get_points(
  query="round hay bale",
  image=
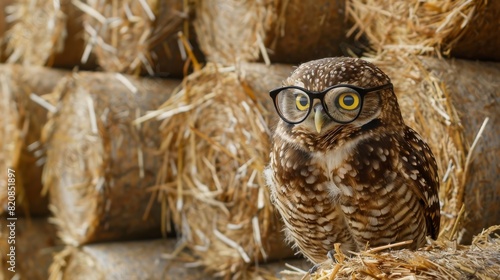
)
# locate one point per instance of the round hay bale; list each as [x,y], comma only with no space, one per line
[440,260]
[285,31]
[99,164]
[36,244]
[480,39]
[120,260]
[215,144]
[10,133]
[4,26]
[20,130]
[474,90]
[46,33]
[147,259]
[464,28]
[137,37]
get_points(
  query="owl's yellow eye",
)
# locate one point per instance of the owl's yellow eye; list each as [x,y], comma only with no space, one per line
[302,102]
[348,101]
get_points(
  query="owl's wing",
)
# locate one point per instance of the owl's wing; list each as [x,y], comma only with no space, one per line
[419,167]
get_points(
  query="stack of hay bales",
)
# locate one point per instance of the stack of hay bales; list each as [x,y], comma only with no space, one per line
[461,28]
[78,128]
[20,131]
[285,31]
[44,33]
[21,151]
[139,36]
[133,158]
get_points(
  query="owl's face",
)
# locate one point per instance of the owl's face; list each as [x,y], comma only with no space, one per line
[323,95]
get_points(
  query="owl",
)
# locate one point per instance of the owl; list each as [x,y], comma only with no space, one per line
[344,168]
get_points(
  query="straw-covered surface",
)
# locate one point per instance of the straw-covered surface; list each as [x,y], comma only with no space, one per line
[45,33]
[137,36]
[467,28]
[36,244]
[20,128]
[215,145]
[286,31]
[99,164]
[443,259]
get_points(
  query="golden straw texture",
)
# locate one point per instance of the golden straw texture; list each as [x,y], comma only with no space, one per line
[428,27]
[215,144]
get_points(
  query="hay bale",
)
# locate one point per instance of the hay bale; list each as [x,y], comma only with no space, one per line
[474,90]
[99,165]
[20,129]
[440,260]
[3,20]
[283,31]
[46,33]
[36,244]
[4,26]
[464,28]
[215,144]
[138,36]
[121,260]
[478,40]
[134,260]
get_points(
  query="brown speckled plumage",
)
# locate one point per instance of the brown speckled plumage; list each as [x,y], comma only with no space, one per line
[369,182]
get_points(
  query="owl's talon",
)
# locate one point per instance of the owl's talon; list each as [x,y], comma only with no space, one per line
[331,255]
[313,269]
[318,265]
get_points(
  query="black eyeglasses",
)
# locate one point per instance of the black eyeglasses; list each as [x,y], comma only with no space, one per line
[341,102]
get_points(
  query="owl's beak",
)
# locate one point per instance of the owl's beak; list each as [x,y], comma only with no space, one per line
[319,117]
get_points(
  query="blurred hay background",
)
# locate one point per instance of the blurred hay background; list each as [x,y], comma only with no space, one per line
[215,145]
[132,260]
[36,245]
[99,164]
[45,33]
[462,28]
[286,31]
[4,26]
[120,260]
[138,36]
[20,129]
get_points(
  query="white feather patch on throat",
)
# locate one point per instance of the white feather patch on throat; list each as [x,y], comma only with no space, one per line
[333,160]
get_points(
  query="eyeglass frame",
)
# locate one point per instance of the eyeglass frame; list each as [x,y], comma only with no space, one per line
[321,96]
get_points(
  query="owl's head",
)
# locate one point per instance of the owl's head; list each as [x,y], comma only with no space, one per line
[324,94]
